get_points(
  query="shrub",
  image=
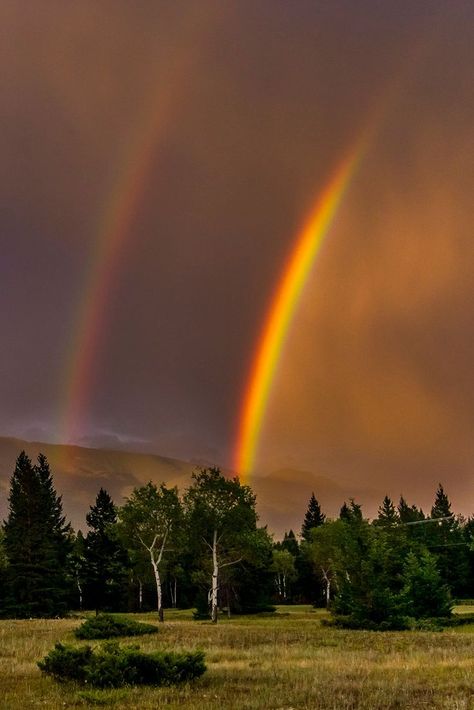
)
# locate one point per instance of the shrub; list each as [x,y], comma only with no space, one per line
[112,666]
[66,662]
[351,621]
[106,626]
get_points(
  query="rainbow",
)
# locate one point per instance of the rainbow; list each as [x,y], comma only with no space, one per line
[104,267]
[114,230]
[283,306]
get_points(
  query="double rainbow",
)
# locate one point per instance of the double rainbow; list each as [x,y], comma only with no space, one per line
[283,306]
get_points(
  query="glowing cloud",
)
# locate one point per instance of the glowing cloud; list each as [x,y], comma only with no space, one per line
[282,310]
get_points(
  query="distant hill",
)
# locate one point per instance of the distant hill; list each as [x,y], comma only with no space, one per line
[79,472]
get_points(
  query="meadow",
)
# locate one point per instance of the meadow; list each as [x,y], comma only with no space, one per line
[290,661]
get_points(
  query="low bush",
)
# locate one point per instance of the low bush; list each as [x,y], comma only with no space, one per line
[399,623]
[106,626]
[112,666]
[396,623]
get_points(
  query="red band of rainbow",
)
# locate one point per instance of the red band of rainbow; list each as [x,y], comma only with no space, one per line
[282,310]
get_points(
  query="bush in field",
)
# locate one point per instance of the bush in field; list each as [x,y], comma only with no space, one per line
[112,666]
[67,662]
[106,626]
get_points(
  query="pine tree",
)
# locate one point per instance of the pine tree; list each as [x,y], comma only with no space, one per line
[423,593]
[442,505]
[445,539]
[105,558]
[351,513]
[387,514]
[409,513]
[313,518]
[290,543]
[37,543]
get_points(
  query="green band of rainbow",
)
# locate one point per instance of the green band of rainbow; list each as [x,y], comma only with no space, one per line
[282,310]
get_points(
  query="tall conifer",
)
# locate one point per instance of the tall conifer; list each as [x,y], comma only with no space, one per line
[313,518]
[36,543]
[106,559]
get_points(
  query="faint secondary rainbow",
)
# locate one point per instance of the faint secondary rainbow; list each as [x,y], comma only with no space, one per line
[283,306]
[105,262]
[114,233]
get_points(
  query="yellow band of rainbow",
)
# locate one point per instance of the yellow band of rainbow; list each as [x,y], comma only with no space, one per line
[283,307]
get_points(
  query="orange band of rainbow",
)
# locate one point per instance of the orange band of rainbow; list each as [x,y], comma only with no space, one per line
[282,310]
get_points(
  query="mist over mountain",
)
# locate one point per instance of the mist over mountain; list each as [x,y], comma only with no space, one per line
[282,497]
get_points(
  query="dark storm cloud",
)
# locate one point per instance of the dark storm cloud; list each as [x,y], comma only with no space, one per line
[274,94]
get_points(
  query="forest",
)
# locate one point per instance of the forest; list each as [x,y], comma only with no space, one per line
[204,549]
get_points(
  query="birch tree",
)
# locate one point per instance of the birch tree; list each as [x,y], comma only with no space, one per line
[222,516]
[283,567]
[324,552]
[151,519]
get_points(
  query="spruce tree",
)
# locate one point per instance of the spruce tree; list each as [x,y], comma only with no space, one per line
[387,514]
[36,543]
[105,558]
[351,513]
[442,505]
[445,539]
[409,513]
[313,518]
[424,594]
[290,543]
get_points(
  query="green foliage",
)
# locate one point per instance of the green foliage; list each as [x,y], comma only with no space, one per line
[112,666]
[387,513]
[67,662]
[384,579]
[314,518]
[106,626]
[394,623]
[105,558]
[351,513]
[222,526]
[37,542]
[147,522]
[423,593]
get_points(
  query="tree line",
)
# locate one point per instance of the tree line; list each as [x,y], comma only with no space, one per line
[205,549]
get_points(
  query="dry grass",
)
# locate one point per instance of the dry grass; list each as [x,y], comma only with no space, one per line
[290,661]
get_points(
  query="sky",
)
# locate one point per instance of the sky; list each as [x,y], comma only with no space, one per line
[158,162]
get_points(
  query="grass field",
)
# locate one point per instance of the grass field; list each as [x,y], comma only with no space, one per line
[290,661]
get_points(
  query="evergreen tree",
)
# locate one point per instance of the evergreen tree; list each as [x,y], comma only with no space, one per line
[445,539]
[290,543]
[37,543]
[441,506]
[387,514]
[106,560]
[351,513]
[313,518]
[423,593]
[409,513]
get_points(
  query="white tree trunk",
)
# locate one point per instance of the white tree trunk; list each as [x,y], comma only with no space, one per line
[215,576]
[327,580]
[158,586]
[140,594]
[79,589]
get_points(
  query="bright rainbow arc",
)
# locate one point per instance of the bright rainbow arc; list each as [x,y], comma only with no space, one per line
[282,310]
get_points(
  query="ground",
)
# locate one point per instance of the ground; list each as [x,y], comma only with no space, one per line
[289,661]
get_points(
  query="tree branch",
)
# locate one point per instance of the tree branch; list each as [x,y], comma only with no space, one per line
[227,564]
